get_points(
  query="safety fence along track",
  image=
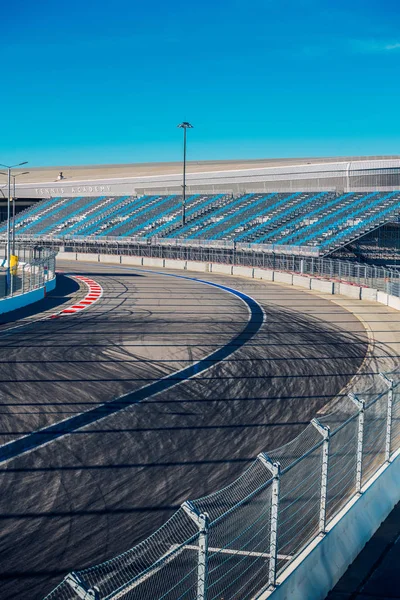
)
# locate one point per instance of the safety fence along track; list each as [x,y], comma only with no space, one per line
[34,268]
[373,276]
[235,543]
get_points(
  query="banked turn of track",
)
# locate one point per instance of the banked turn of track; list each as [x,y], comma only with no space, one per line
[203,378]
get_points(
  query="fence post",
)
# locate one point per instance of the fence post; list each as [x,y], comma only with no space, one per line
[275,469]
[360,438]
[81,588]
[324,430]
[388,443]
[202,522]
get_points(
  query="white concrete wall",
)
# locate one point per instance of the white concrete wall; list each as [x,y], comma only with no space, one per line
[220,268]
[369,294]
[174,264]
[153,262]
[265,274]
[346,289]
[382,297]
[243,271]
[321,285]
[394,302]
[283,277]
[194,265]
[302,281]
[67,255]
[89,257]
[132,260]
[110,258]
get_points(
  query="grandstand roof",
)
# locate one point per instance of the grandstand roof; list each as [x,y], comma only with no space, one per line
[115,171]
[341,174]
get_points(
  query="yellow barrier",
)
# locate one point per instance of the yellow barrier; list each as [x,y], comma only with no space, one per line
[13,264]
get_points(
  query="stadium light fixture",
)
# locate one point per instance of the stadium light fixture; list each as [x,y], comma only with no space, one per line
[185,125]
[9,167]
[13,210]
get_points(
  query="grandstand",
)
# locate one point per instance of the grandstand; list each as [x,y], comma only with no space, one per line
[319,222]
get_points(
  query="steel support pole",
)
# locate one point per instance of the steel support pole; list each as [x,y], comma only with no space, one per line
[360,439]
[275,469]
[13,217]
[81,588]
[184,179]
[325,432]
[8,229]
[389,417]
[202,522]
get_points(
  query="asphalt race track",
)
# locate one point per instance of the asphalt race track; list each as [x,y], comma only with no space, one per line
[87,496]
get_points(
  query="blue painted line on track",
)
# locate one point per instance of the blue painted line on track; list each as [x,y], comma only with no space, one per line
[70,425]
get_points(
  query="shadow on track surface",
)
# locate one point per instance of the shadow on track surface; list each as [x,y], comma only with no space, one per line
[97,492]
[65,289]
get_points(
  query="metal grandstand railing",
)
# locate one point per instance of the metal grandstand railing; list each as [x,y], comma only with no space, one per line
[236,542]
[377,277]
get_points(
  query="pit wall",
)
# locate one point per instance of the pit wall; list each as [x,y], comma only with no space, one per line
[22,300]
[323,562]
[310,283]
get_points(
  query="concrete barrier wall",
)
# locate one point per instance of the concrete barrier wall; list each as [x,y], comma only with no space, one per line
[382,297]
[51,285]
[265,274]
[394,302]
[351,291]
[110,258]
[320,285]
[243,271]
[154,262]
[302,281]
[220,268]
[174,264]
[283,277]
[83,256]
[194,265]
[22,300]
[132,260]
[369,294]
[69,255]
[315,572]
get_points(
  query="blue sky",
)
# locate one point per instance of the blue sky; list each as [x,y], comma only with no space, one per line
[107,82]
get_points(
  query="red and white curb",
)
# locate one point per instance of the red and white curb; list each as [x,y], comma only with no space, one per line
[95,293]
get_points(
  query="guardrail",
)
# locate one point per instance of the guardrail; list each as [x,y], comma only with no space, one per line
[376,277]
[171,242]
[236,542]
[35,268]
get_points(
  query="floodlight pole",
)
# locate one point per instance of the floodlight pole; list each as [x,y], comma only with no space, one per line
[13,211]
[9,167]
[185,125]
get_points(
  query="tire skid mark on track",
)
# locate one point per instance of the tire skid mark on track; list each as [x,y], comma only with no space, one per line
[42,437]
